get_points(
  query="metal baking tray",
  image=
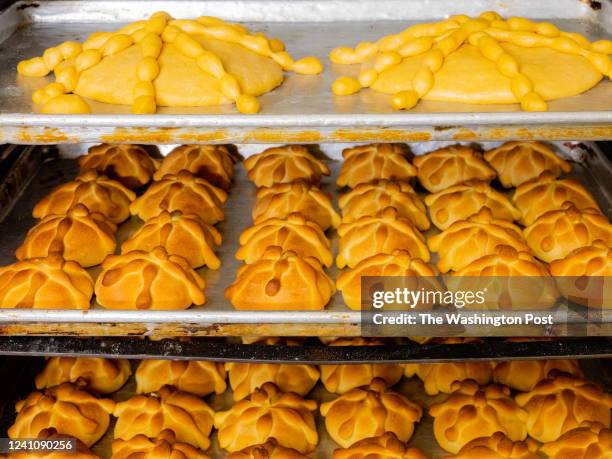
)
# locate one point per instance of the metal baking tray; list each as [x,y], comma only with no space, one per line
[35,171]
[303,108]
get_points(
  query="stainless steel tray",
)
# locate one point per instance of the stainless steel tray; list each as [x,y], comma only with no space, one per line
[303,108]
[217,317]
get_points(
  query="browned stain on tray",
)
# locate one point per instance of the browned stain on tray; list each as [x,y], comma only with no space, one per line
[380,135]
[267,135]
[139,134]
[48,135]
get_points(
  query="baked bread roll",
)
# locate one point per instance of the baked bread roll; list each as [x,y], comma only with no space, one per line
[66,408]
[523,375]
[187,416]
[183,192]
[590,441]
[45,283]
[78,235]
[405,270]
[196,377]
[280,200]
[130,165]
[96,192]
[103,376]
[81,450]
[497,446]
[370,411]
[440,377]
[245,378]
[366,163]
[281,281]
[470,412]
[368,198]
[184,235]
[460,201]
[452,165]
[382,233]
[285,165]
[522,161]
[213,163]
[340,379]
[547,193]
[562,403]
[268,413]
[295,233]
[268,450]
[467,240]
[385,446]
[557,233]
[148,280]
[164,446]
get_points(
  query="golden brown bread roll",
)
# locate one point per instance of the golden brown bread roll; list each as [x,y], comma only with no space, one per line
[467,240]
[78,235]
[365,163]
[187,416]
[280,200]
[369,198]
[520,162]
[295,233]
[386,446]
[590,441]
[96,192]
[184,235]
[268,450]
[562,403]
[81,450]
[382,233]
[281,281]
[546,193]
[148,280]
[196,377]
[183,192]
[45,283]
[268,413]
[397,263]
[66,408]
[285,165]
[440,377]
[130,165]
[213,163]
[99,375]
[448,166]
[557,233]
[470,412]
[523,375]
[164,446]
[497,446]
[370,411]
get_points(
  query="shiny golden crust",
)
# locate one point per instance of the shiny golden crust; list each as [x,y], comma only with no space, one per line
[82,451]
[285,165]
[184,235]
[369,198]
[440,377]
[448,166]
[269,413]
[281,281]
[99,375]
[78,235]
[467,240]
[66,408]
[470,412]
[148,280]
[45,283]
[592,441]
[366,163]
[96,192]
[195,377]
[523,375]
[461,201]
[164,446]
[295,233]
[385,446]
[497,446]
[245,378]
[279,201]
[522,161]
[557,233]
[213,163]
[546,193]
[397,263]
[562,403]
[130,165]
[370,411]
[187,416]
[382,233]
[268,450]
